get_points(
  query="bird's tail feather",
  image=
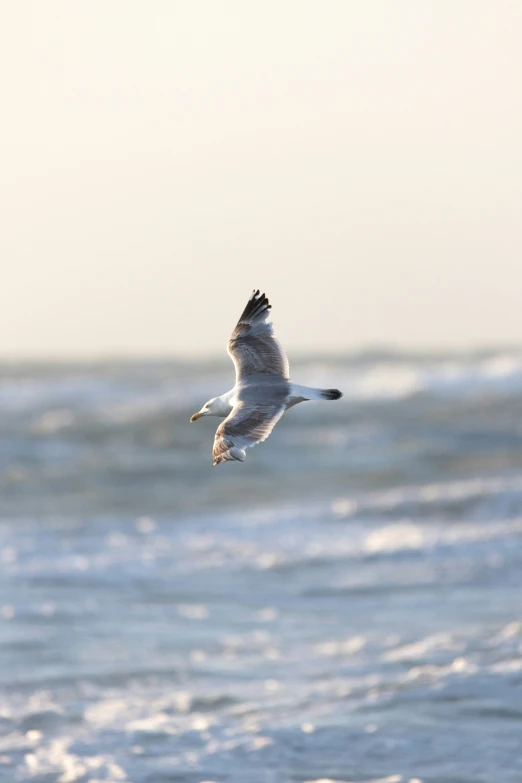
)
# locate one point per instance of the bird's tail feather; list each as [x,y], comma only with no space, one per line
[331,394]
[309,393]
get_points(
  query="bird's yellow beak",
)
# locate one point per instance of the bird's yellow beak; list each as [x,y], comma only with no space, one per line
[196,416]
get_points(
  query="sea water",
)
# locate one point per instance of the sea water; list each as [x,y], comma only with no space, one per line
[346,605]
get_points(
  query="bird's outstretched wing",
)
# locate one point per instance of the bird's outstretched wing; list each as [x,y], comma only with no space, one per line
[252,345]
[246,425]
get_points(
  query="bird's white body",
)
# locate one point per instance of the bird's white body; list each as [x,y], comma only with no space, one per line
[223,405]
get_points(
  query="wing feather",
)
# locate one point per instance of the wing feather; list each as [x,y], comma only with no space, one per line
[245,426]
[253,346]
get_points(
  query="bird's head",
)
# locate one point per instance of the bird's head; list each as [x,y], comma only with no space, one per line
[210,408]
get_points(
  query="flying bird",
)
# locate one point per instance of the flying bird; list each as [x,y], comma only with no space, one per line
[263,389]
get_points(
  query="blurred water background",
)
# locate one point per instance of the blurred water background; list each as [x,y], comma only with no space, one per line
[346,605]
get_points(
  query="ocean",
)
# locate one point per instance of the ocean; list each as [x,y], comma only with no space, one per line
[344,606]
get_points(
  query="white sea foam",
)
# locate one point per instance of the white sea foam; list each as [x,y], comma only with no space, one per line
[398,379]
[56,398]
[388,779]
[150,631]
[426,494]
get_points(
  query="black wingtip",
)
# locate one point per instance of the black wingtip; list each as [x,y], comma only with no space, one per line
[256,305]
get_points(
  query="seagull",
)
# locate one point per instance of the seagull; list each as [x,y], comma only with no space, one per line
[263,389]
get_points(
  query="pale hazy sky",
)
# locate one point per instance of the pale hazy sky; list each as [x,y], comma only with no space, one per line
[360,161]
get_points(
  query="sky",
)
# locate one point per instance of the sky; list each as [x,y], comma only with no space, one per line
[361,162]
